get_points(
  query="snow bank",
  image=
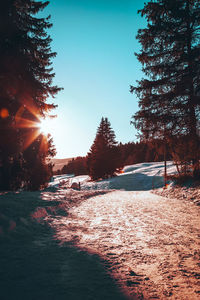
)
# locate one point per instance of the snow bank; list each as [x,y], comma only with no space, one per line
[137,177]
[178,192]
[150,168]
[66,181]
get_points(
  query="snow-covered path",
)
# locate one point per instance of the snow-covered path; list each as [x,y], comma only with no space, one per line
[151,243]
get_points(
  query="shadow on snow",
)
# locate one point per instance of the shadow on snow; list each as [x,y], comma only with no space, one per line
[129,182]
[136,182]
[35,266]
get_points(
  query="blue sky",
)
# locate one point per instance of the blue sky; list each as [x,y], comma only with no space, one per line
[95,64]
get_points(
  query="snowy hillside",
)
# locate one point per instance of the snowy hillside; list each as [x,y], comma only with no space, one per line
[59,163]
[137,177]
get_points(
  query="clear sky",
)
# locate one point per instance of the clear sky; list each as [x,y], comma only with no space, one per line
[95,64]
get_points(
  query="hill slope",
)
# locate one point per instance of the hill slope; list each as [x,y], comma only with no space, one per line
[59,163]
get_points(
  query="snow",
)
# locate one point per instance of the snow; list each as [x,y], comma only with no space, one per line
[148,244]
[66,180]
[141,233]
[138,177]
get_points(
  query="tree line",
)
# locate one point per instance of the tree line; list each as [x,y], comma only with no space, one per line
[107,157]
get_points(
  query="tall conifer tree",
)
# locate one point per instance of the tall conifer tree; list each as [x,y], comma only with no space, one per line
[169,99]
[103,157]
[25,84]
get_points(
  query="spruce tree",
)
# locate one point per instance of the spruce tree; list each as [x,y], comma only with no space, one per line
[103,157]
[169,102]
[25,84]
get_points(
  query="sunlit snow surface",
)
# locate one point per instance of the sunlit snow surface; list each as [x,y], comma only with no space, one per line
[151,243]
[138,177]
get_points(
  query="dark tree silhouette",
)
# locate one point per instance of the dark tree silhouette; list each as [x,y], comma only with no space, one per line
[133,153]
[169,104]
[77,166]
[104,157]
[25,84]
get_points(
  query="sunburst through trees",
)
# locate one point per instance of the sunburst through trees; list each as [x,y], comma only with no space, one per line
[25,84]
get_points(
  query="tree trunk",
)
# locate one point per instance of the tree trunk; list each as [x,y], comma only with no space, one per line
[165,167]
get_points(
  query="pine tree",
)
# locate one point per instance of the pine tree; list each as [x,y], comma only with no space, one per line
[169,103]
[103,157]
[76,166]
[25,84]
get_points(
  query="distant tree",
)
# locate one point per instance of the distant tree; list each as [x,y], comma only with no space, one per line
[169,102]
[104,157]
[133,153]
[25,84]
[57,172]
[77,166]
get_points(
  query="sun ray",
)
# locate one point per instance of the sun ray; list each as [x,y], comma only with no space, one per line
[26,123]
[30,138]
[44,144]
[40,126]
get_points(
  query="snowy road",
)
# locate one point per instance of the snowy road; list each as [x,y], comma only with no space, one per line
[111,240]
[151,243]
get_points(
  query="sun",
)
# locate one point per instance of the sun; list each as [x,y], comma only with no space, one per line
[45,126]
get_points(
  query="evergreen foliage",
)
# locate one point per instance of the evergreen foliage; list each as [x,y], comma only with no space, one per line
[133,153]
[169,100]
[77,166]
[103,157]
[25,84]
[125,154]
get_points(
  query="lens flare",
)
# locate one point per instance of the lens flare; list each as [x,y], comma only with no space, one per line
[4,113]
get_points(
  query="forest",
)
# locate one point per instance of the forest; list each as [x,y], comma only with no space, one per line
[126,154]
